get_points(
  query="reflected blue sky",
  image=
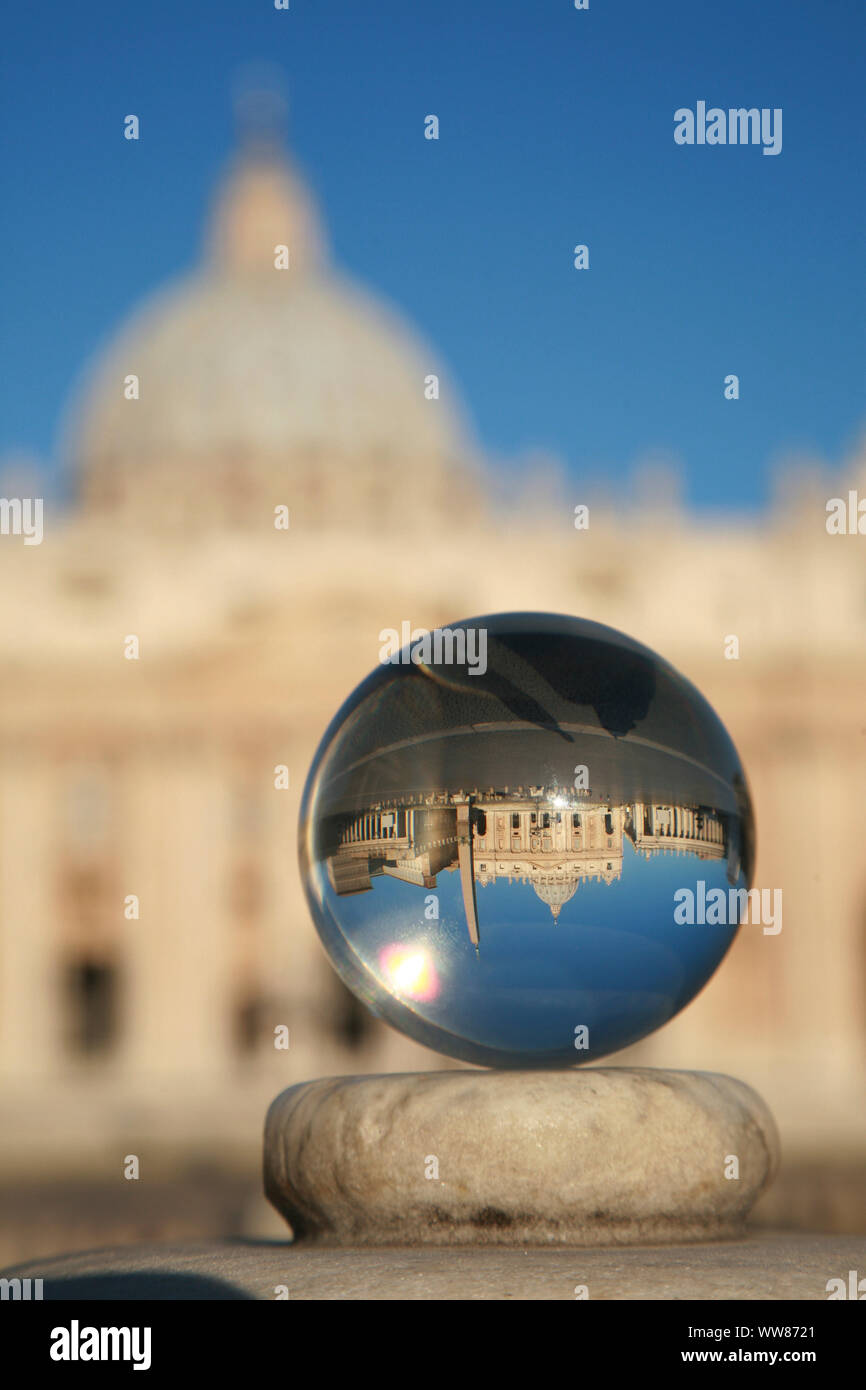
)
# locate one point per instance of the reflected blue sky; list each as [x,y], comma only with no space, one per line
[615,960]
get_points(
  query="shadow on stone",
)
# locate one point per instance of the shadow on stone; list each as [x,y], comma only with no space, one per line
[140,1285]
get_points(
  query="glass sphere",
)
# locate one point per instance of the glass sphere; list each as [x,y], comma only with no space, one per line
[525,840]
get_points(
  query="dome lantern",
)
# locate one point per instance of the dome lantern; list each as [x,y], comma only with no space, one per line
[262,205]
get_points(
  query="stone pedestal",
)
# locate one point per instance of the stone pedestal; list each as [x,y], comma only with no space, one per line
[600,1156]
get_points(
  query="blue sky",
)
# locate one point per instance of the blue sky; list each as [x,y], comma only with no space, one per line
[556,128]
[615,960]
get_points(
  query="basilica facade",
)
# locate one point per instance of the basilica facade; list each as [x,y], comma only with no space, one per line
[268,467]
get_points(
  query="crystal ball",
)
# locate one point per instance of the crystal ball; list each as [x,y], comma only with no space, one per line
[510,834]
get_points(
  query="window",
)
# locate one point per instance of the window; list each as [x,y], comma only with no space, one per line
[352,1022]
[250,1021]
[91,989]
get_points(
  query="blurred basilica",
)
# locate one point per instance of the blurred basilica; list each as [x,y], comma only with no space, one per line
[153,931]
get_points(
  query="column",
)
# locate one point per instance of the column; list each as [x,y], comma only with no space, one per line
[177,958]
[31,1014]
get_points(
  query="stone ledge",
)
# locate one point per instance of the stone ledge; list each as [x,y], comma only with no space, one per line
[761,1267]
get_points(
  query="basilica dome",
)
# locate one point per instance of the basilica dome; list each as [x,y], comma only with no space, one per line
[268,377]
[555,892]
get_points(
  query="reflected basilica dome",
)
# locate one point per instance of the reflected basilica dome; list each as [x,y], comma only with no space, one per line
[555,892]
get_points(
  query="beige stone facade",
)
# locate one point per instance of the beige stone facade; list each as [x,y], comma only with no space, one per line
[153,931]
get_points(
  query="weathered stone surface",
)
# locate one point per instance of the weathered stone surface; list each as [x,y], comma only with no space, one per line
[762,1267]
[601,1156]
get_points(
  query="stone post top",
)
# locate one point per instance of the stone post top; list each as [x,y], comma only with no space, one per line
[600,1155]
